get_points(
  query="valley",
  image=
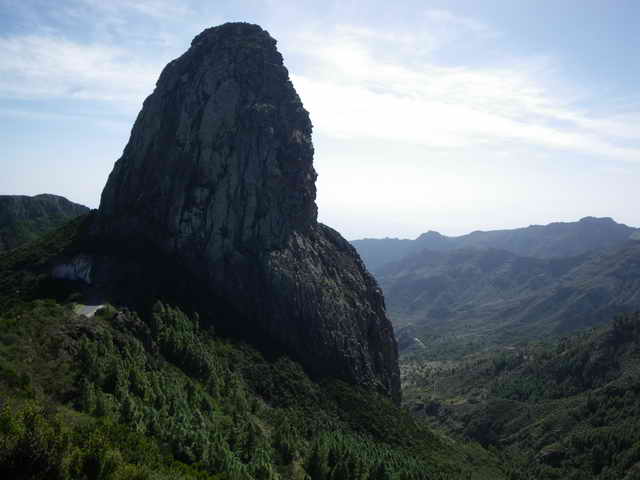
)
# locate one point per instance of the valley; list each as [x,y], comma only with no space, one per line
[535,357]
[488,294]
[562,409]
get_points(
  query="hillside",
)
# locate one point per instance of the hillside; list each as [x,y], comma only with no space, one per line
[158,393]
[555,240]
[567,409]
[493,295]
[23,219]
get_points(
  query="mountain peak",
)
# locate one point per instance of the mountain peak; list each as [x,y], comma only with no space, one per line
[431,233]
[218,175]
[232,29]
[226,108]
[598,220]
[431,236]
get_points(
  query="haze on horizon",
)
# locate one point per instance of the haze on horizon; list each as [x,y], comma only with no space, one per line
[428,115]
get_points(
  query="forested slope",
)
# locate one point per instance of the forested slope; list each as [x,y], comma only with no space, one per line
[160,393]
[568,409]
[23,218]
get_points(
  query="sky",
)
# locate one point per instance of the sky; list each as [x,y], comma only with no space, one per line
[451,116]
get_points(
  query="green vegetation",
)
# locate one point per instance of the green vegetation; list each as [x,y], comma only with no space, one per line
[24,219]
[155,395]
[158,393]
[460,295]
[119,396]
[554,411]
[24,271]
[27,231]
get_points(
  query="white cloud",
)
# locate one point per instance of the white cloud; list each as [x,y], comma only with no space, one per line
[161,9]
[428,124]
[39,67]
[446,19]
[359,84]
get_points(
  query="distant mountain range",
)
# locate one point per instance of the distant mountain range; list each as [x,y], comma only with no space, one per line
[509,285]
[559,239]
[24,218]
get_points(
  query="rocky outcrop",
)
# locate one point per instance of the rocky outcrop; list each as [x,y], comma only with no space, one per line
[24,218]
[78,268]
[218,174]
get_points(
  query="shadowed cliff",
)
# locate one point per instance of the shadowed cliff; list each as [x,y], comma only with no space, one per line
[218,176]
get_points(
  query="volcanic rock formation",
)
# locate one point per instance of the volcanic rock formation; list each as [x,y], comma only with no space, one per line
[218,174]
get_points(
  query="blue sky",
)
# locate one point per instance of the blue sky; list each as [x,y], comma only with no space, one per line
[428,115]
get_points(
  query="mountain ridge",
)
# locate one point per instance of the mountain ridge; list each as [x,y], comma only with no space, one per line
[24,218]
[556,239]
[497,294]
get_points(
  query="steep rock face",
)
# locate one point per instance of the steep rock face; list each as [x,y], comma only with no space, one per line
[218,174]
[24,218]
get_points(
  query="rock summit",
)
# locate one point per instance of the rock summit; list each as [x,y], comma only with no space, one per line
[218,174]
